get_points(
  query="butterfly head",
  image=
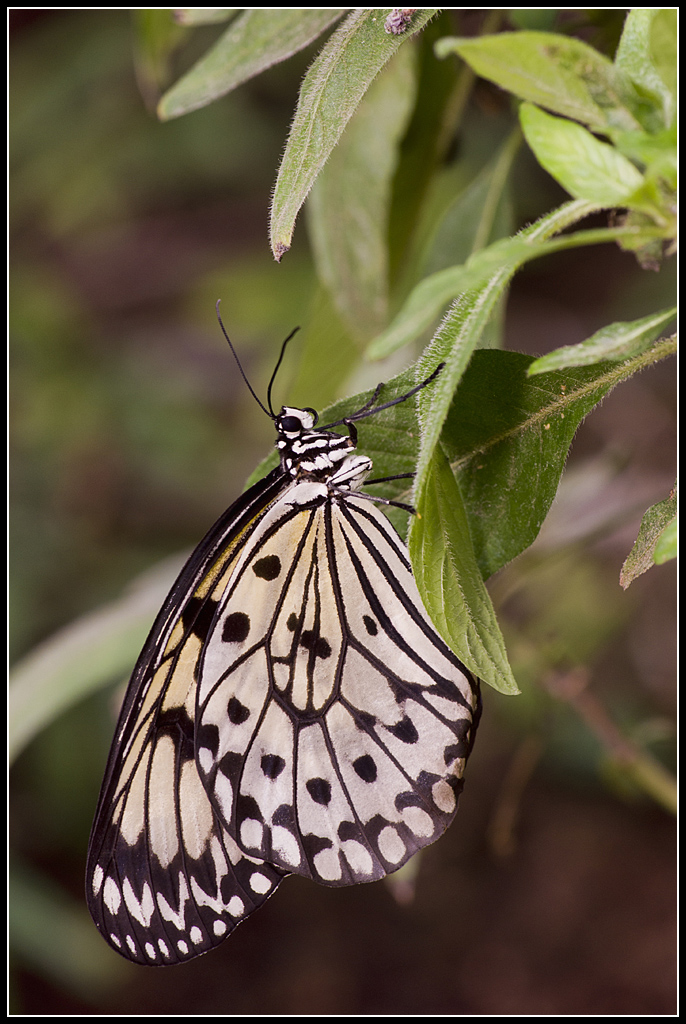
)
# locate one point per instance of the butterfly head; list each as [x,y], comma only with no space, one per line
[292,423]
[305,451]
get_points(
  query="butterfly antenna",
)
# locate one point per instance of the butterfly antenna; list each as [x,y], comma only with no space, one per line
[370,409]
[276,370]
[235,355]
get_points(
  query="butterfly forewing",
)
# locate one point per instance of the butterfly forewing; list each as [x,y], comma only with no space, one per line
[293,711]
[165,879]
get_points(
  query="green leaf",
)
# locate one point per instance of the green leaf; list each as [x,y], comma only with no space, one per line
[427,300]
[557,72]
[655,542]
[349,204]
[259,38]
[81,658]
[450,582]
[593,170]
[584,166]
[615,342]
[507,438]
[330,94]
[647,46]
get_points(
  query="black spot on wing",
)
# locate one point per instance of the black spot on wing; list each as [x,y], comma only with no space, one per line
[311,641]
[247,807]
[284,815]
[231,765]
[208,736]
[350,830]
[237,712]
[319,790]
[404,730]
[365,768]
[272,765]
[236,628]
[370,625]
[267,568]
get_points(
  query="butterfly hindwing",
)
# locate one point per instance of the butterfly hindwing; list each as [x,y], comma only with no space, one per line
[355,762]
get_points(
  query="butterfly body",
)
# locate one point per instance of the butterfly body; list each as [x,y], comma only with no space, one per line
[293,711]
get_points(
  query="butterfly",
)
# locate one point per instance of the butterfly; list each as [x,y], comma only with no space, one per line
[293,711]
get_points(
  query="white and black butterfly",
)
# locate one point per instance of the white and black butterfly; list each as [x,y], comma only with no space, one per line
[293,711]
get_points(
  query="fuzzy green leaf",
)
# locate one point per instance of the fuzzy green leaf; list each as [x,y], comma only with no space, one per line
[450,582]
[656,540]
[259,38]
[330,94]
[664,52]
[615,342]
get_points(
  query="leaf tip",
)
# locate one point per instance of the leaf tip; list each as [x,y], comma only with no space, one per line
[446,47]
[279,249]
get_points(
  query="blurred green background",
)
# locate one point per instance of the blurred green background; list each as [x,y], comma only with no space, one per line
[131,431]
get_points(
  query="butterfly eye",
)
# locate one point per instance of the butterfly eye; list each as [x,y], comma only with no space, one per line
[295,421]
[290,424]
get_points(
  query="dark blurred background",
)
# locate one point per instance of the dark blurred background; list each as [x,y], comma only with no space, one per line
[131,431]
